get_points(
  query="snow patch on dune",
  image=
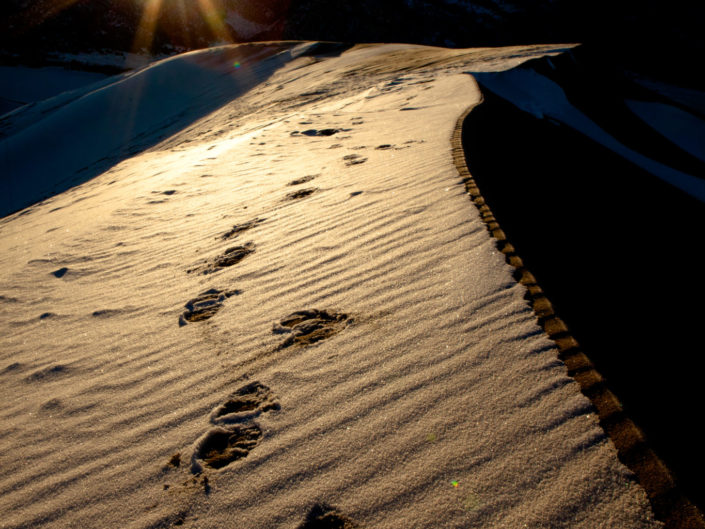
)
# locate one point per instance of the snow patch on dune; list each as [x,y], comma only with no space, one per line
[538,95]
[80,134]
[684,129]
[245,28]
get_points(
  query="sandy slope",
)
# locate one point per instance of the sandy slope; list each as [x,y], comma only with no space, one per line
[432,400]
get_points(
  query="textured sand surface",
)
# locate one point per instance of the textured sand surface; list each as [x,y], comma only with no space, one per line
[289,305]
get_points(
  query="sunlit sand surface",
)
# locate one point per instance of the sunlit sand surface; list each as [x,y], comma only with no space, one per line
[284,312]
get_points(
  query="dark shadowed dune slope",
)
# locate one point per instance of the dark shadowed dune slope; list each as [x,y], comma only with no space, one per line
[615,249]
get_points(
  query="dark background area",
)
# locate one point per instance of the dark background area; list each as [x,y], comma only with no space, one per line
[617,251]
[663,39]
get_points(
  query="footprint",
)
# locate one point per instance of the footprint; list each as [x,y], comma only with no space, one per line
[306,327]
[321,132]
[354,159]
[245,404]
[205,305]
[48,373]
[107,313]
[323,516]
[226,443]
[301,193]
[230,257]
[302,180]
[8,299]
[14,366]
[221,446]
[174,460]
[384,147]
[237,229]
[52,405]
[61,272]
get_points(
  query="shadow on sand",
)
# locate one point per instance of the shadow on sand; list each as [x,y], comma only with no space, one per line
[65,141]
[618,253]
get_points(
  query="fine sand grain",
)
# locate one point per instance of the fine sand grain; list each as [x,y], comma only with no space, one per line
[367,360]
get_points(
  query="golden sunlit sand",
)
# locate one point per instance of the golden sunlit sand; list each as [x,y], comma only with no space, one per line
[287,313]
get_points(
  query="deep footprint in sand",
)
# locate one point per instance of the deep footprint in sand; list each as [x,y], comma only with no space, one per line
[221,446]
[317,132]
[354,159]
[301,193]
[228,442]
[48,373]
[205,305]
[306,327]
[230,257]
[237,229]
[302,180]
[323,516]
[61,272]
[245,404]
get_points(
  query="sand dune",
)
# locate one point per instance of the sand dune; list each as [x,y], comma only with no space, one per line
[286,313]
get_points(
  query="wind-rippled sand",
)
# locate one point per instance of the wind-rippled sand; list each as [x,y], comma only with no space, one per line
[291,313]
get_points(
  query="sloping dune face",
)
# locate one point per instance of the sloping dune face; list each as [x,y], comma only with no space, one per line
[70,138]
[289,314]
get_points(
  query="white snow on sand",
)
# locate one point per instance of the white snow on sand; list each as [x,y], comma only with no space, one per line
[246,29]
[132,112]
[433,400]
[689,97]
[534,93]
[684,129]
[20,85]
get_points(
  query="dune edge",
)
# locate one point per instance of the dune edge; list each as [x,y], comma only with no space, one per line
[669,504]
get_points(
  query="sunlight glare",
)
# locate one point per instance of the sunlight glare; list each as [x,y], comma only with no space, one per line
[180,9]
[214,21]
[148,22]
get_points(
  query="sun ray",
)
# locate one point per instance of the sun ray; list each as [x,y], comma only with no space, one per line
[215,21]
[185,34]
[145,31]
